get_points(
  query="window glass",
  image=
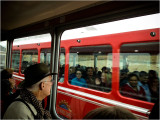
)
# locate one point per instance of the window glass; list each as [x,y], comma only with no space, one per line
[139,71]
[62,65]
[15,60]
[3,51]
[29,57]
[46,56]
[86,65]
[42,57]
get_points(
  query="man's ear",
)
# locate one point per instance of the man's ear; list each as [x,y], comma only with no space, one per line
[41,86]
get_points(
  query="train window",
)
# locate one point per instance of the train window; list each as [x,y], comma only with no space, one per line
[45,56]
[3,50]
[29,57]
[139,76]
[62,65]
[15,60]
[86,64]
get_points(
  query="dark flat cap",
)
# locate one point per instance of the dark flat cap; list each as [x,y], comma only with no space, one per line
[35,73]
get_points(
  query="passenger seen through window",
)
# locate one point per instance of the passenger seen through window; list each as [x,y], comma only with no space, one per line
[78,80]
[91,59]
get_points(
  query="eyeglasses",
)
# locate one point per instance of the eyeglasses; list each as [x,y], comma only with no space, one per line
[50,81]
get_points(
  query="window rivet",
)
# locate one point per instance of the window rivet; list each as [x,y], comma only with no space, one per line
[78,41]
[153,34]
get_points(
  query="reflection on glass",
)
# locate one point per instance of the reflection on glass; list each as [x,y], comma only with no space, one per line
[3,50]
[141,60]
[29,57]
[89,61]
[15,60]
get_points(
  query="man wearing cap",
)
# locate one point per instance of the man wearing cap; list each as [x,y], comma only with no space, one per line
[36,86]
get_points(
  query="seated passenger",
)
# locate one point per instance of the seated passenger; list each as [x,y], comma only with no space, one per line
[132,89]
[78,80]
[72,73]
[123,78]
[62,78]
[136,72]
[106,81]
[143,76]
[98,80]
[95,70]
[152,74]
[90,79]
[98,83]
[106,69]
[61,74]
[154,88]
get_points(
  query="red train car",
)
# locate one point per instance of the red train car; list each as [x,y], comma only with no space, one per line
[121,53]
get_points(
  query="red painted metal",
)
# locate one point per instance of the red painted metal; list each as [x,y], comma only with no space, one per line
[79,105]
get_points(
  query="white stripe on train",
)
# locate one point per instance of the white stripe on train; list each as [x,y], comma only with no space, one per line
[113,102]
[18,76]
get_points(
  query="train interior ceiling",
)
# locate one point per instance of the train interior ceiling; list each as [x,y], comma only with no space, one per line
[24,18]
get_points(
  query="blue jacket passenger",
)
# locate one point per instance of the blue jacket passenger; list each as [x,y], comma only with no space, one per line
[78,80]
